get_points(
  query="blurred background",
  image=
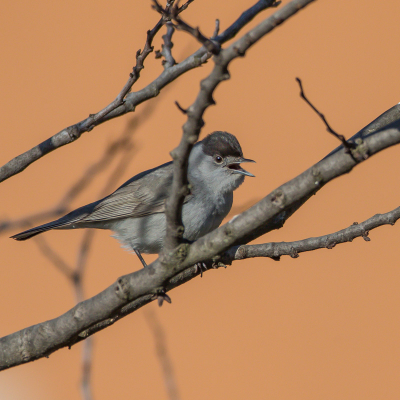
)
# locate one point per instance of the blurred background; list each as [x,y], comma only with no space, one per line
[323,326]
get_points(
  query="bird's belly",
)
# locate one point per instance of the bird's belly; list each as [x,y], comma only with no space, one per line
[145,234]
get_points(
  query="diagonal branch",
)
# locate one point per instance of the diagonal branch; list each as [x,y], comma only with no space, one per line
[131,100]
[122,145]
[73,132]
[292,249]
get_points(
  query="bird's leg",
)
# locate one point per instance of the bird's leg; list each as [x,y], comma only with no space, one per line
[161,295]
[140,257]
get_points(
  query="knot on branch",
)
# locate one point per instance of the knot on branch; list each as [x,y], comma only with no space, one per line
[180,230]
[239,52]
[241,253]
[278,199]
[175,257]
[293,253]
[360,152]
[331,245]
[317,176]
[74,132]
[365,236]
[122,289]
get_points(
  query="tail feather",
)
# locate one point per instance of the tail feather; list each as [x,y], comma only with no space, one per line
[38,229]
[63,222]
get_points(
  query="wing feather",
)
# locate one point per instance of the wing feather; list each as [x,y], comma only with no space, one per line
[143,195]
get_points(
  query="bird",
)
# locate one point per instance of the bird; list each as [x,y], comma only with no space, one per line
[135,212]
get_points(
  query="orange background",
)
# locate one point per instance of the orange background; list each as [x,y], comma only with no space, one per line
[324,326]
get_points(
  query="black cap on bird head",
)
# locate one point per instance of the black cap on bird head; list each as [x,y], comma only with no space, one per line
[222,143]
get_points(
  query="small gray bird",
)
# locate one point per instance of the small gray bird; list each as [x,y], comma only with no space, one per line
[135,212]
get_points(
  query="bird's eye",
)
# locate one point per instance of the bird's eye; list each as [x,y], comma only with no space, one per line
[218,159]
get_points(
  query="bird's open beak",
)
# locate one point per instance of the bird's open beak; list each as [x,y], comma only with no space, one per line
[235,166]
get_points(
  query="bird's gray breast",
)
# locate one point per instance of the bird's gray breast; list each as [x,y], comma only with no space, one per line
[204,213]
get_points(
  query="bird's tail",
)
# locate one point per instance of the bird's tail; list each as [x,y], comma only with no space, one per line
[35,231]
[66,222]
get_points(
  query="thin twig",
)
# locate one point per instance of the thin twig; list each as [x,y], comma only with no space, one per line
[183,7]
[87,362]
[347,145]
[166,48]
[173,14]
[216,30]
[180,108]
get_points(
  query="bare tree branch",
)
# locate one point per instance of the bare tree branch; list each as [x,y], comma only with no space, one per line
[216,30]
[132,291]
[211,46]
[292,249]
[131,100]
[87,361]
[73,132]
[183,7]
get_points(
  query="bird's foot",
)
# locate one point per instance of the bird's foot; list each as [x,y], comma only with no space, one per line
[218,264]
[206,265]
[202,267]
[162,296]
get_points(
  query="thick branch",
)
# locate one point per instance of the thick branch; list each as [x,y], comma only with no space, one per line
[129,102]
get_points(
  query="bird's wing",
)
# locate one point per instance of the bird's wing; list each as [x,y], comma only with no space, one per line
[133,199]
[144,194]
